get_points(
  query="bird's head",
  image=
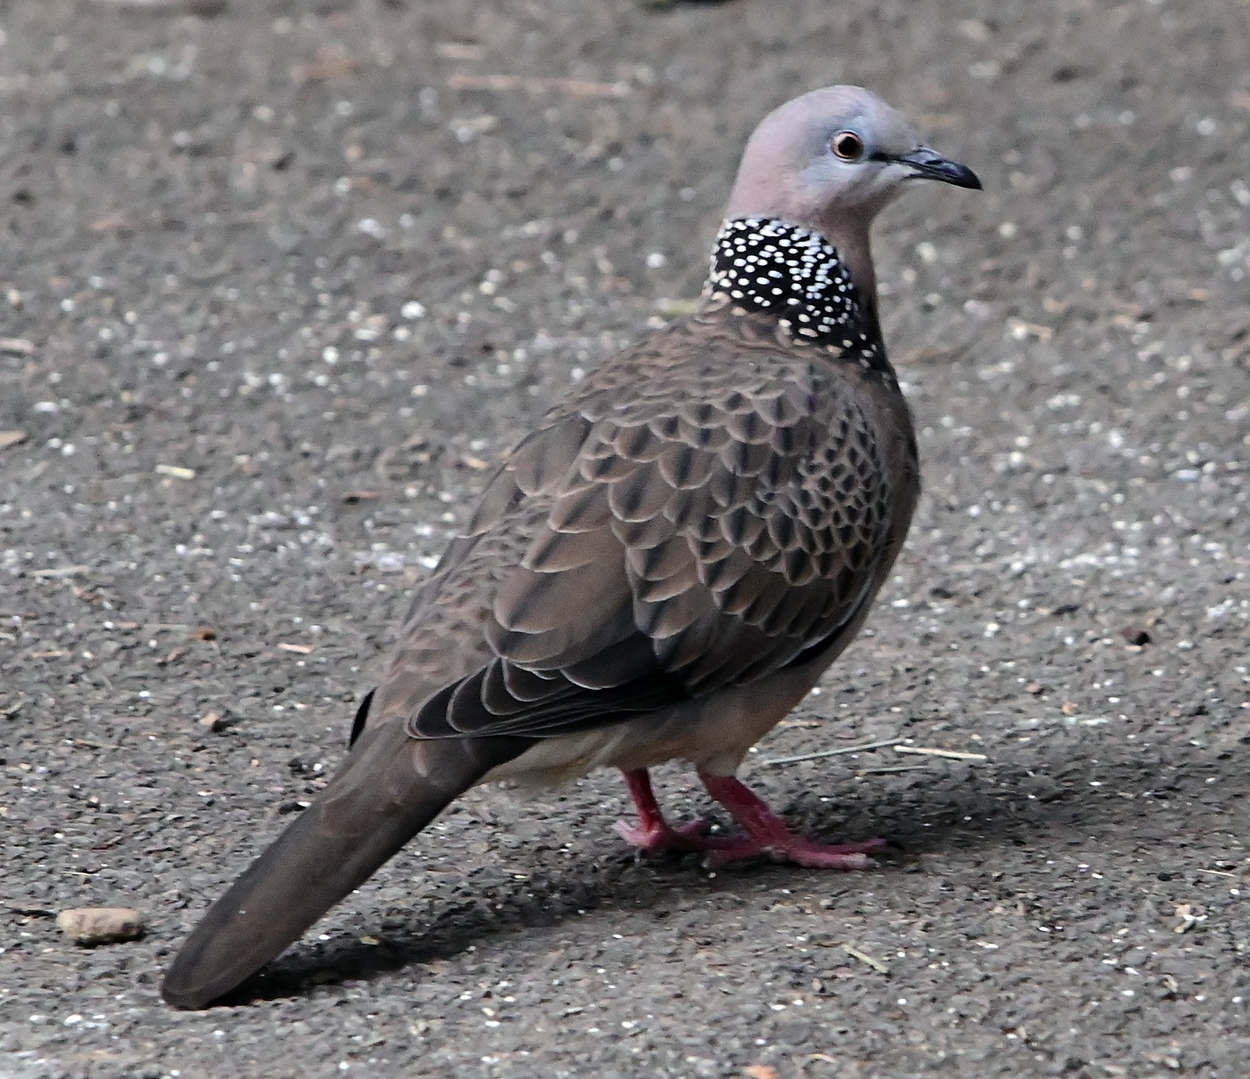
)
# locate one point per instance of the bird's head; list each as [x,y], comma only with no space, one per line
[831,160]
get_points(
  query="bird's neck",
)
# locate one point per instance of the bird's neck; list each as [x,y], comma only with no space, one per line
[852,245]
[814,289]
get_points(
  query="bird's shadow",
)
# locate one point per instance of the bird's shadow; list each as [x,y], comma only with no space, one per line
[966,808]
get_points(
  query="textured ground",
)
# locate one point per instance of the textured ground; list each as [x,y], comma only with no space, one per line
[277,285]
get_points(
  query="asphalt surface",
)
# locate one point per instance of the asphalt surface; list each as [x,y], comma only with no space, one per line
[277,284]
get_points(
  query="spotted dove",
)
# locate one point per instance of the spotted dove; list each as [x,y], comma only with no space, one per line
[663,569]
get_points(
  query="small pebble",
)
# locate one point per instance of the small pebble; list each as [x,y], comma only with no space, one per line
[214,722]
[100,925]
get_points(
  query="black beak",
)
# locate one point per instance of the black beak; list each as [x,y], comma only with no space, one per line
[928,165]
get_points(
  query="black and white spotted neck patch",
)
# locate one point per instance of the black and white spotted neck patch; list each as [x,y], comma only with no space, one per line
[768,265]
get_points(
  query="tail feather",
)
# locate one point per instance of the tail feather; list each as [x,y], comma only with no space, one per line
[390,787]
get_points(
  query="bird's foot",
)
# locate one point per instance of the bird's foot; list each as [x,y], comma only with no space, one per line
[659,837]
[767,834]
[800,851]
[653,834]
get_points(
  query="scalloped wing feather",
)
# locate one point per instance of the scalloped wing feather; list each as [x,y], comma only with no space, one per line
[696,514]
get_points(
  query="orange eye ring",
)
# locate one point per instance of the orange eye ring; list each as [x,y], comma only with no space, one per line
[847,146]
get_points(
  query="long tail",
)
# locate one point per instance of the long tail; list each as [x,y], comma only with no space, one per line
[390,787]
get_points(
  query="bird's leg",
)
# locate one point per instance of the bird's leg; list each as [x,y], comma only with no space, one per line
[768,833]
[653,834]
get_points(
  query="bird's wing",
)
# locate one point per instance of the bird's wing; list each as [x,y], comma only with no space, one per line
[671,529]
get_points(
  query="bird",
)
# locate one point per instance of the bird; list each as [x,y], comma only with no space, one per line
[662,569]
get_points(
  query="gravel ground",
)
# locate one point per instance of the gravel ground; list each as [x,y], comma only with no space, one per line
[280,282]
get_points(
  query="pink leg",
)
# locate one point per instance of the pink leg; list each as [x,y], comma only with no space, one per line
[768,833]
[653,834]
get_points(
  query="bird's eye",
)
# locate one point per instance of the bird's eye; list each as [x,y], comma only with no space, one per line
[847,145]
